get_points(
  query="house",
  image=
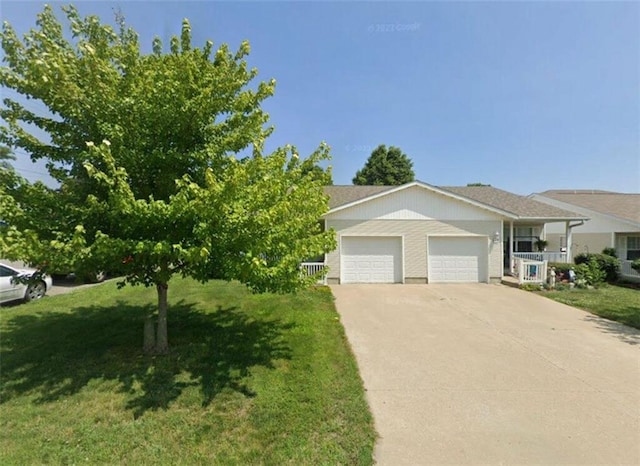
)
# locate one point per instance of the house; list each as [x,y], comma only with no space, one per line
[419,233]
[615,223]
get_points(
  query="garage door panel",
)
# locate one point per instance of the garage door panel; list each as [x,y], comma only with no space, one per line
[371,260]
[458,259]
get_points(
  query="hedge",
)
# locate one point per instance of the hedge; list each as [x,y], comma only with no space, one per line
[610,265]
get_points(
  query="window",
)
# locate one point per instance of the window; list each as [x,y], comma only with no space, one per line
[633,248]
[524,239]
[523,246]
[523,231]
[6,272]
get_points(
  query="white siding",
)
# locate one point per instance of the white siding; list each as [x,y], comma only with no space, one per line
[415,233]
[415,203]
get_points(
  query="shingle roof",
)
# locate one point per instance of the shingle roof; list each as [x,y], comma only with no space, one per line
[621,205]
[345,194]
[518,206]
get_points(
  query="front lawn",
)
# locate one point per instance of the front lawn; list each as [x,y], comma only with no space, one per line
[611,302]
[250,379]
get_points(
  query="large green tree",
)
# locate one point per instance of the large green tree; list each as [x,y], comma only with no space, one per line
[145,150]
[386,167]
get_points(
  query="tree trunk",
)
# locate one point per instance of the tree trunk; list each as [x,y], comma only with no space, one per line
[162,340]
[149,345]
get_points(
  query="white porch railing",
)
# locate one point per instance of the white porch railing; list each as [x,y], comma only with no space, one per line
[626,271]
[530,271]
[551,256]
[312,268]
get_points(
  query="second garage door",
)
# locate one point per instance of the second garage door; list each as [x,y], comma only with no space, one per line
[367,259]
[458,259]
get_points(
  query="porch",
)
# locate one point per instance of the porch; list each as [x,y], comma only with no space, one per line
[627,273]
[314,268]
[526,242]
[548,256]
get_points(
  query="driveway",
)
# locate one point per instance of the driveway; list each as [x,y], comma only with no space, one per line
[67,285]
[487,374]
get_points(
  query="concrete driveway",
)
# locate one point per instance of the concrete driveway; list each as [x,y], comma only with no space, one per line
[486,374]
[67,285]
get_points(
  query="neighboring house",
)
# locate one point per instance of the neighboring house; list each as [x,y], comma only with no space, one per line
[419,233]
[615,223]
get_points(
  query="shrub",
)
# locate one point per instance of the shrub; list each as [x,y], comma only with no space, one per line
[608,264]
[541,244]
[562,270]
[610,252]
[589,273]
[635,265]
[531,286]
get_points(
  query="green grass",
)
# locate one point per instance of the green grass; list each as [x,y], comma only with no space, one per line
[250,379]
[611,302]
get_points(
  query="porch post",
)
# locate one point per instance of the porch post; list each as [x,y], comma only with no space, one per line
[511,261]
[568,231]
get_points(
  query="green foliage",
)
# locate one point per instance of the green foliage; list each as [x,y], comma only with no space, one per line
[590,273]
[5,157]
[387,167]
[253,221]
[561,267]
[635,265]
[610,252]
[317,172]
[144,148]
[541,244]
[531,286]
[608,264]
[164,114]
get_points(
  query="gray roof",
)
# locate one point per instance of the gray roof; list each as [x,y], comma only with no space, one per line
[518,206]
[622,205]
[515,204]
[346,194]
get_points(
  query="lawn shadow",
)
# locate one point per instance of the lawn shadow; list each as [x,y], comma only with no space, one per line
[56,354]
[623,332]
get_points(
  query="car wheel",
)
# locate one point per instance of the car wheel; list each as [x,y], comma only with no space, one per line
[35,291]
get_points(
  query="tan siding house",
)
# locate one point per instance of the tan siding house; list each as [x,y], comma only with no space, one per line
[418,233]
[614,223]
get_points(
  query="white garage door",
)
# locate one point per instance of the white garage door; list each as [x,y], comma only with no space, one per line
[368,259]
[458,259]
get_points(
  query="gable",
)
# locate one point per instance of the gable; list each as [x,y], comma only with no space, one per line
[621,206]
[413,203]
[598,222]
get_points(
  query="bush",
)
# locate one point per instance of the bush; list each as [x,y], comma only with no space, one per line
[635,265]
[541,244]
[562,270]
[608,264]
[589,274]
[610,252]
[531,286]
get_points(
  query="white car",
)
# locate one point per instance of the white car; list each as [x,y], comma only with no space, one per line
[12,289]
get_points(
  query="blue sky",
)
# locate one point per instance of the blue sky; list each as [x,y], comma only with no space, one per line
[525,96]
